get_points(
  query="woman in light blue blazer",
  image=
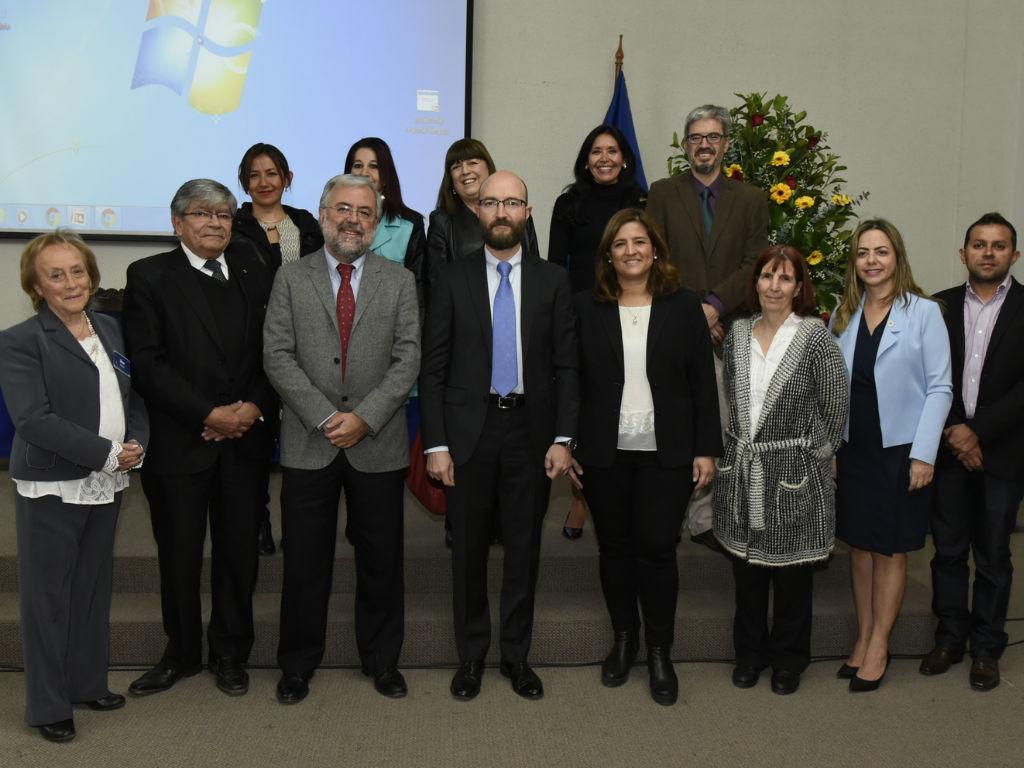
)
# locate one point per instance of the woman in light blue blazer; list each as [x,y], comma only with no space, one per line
[896,348]
[400,236]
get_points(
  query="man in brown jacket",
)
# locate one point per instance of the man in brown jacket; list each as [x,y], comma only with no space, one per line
[716,228]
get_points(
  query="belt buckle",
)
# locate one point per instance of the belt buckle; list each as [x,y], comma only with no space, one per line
[506,402]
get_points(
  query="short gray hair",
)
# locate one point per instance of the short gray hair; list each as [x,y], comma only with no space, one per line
[207,191]
[709,112]
[351,180]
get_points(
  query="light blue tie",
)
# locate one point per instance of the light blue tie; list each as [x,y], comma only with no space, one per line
[504,373]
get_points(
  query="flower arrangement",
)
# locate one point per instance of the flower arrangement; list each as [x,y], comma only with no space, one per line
[772,147]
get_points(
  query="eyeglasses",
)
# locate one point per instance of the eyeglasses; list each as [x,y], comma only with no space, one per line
[697,138]
[510,203]
[345,210]
[222,217]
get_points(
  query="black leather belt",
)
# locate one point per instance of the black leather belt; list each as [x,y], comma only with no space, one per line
[508,401]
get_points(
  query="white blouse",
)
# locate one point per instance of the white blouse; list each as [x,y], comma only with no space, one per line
[97,487]
[763,365]
[636,412]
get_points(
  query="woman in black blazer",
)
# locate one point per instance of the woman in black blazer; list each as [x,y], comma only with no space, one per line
[648,430]
[278,234]
[79,428]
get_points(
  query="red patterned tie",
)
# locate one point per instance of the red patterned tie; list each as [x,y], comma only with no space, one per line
[346,311]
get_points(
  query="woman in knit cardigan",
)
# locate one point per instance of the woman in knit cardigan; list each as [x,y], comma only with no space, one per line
[774,499]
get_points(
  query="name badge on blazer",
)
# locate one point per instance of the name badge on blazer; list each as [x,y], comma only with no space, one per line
[122,364]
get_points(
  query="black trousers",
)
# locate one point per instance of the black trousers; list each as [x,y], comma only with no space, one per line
[638,508]
[973,512]
[65,567]
[229,494]
[507,474]
[788,644]
[309,518]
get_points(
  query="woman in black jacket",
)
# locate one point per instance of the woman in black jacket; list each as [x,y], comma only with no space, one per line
[278,234]
[604,183]
[648,429]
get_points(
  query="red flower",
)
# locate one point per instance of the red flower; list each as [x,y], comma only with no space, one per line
[791,181]
[825,316]
[757,119]
[813,141]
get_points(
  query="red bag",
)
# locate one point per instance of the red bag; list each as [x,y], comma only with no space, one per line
[427,491]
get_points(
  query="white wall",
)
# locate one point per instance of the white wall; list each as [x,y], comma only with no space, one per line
[923,100]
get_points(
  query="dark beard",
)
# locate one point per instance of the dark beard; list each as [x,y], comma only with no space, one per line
[504,239]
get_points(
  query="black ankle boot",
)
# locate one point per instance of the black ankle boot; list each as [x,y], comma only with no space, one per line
[664,685]
[615,670]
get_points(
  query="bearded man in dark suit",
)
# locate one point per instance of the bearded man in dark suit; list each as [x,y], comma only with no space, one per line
[498,399]
[979,475]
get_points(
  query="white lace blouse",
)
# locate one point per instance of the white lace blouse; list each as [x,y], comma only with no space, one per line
[636,412]
[98,487]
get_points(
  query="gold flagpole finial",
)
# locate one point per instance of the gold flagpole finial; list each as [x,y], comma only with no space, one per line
[618,59]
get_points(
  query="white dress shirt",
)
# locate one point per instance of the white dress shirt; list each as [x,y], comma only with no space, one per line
[636,410]
[198,261]
[764,364]
[332,270]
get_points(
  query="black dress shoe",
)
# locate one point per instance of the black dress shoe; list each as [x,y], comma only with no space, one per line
[620,659]
[525,682]
[60,731]
[745,676]
[708,540]
[984,674]
[940,659]
[106,703]
[388,682]
[292,688]
[265,540]
[466,682]
[845,672]
[447,538]
[664,684]
[160,678]
[231,678]
[785,681]
[572,533]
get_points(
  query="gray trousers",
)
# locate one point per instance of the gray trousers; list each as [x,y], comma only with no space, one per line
[699,512]
[65,568]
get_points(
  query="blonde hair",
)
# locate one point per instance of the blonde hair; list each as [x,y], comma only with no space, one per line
[36,245]
[903,284]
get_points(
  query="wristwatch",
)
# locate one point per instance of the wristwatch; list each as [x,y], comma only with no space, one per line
[570,444]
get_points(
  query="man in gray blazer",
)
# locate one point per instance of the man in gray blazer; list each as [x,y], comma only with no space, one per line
[341,347]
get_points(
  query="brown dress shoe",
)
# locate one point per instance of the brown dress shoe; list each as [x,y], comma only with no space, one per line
[984,674]
[940,659]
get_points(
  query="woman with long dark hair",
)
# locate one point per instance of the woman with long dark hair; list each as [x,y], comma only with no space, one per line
[604,183]
[399,236]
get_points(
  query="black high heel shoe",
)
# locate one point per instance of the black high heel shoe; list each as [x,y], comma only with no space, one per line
[846,672]
[860,685]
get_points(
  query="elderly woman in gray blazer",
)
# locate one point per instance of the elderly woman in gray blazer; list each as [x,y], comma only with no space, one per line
[79,428]
[774,499]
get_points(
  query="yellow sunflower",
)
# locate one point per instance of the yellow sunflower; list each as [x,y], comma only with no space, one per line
[780,158]
[780,193]
[804,202]
[815,257]
[838,199]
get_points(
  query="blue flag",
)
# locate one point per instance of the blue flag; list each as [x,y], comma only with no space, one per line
[621,117]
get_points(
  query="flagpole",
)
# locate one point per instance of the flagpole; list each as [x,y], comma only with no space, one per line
[618,61]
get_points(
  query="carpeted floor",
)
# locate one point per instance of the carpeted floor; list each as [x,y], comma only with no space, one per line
[910,721]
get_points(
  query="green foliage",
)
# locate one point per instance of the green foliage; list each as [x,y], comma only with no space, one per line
[761,129]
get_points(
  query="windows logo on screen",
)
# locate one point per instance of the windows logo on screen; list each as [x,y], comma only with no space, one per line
[200,48]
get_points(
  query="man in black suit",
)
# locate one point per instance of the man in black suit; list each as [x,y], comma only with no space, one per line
[193,324]
[498,399]
[979,475]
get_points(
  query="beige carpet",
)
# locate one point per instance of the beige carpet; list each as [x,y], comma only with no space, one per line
[910,721]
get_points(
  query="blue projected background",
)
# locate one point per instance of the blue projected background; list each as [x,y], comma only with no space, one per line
[110,106]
